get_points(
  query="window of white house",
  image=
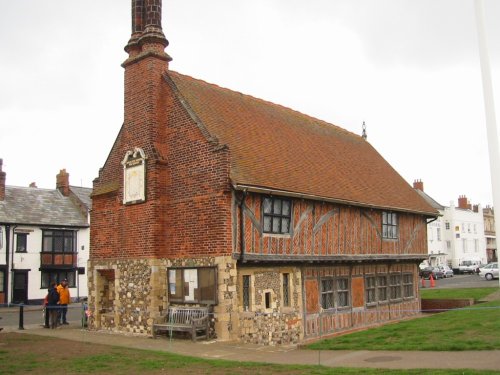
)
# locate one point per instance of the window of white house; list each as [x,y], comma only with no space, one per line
[58,276]
[438,232]
[448,245]
[476,245]
[464,245]
[389,225]
[447,225]
[2,277]
[475,228]
[59,241]
[1,238]
[192,285]
[21,242]
[277,215]
[395,285]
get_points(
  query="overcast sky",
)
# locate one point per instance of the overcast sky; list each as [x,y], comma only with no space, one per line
[409,68]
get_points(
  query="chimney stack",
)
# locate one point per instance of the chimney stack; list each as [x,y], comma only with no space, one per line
[3,176]
[62,182]
[463,202]
[418,184]
[33,185]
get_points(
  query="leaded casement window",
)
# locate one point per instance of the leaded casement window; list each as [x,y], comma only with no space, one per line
[246,292]
[407,285]
[277,215]
[334,293]
[395,285]
[343,292]
[286,289]
[21,242]
[382,288]
[370,289]
[327,294]
[58,276]
[389,225]
[193,285]
[59,241]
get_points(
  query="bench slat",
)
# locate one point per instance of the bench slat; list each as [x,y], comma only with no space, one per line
[184,319]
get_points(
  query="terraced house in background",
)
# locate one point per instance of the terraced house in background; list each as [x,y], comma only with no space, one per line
[44,237]
[287,226]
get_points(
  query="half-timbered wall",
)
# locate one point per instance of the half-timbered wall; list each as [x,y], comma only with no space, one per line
[320,229]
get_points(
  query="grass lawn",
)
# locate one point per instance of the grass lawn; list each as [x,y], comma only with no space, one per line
[24,353]
[475,293]
[475,328]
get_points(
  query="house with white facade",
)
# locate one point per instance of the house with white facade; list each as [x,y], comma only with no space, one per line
[458,235]
[44,237]
[490,234]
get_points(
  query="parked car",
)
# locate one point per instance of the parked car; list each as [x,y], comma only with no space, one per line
[490,271]
[434,271]
[447,271]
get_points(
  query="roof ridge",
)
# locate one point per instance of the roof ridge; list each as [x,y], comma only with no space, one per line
[267,102]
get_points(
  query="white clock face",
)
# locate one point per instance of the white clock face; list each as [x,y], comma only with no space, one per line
[134,184]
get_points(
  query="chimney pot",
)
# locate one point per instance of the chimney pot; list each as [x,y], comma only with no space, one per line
[418,184]
[62,182]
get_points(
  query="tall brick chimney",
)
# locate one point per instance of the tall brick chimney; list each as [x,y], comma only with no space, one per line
[144,69]
[463,202]
[3,177]
[62,182]
[418,184]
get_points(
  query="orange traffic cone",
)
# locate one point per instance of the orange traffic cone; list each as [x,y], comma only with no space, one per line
[423,282]
[433,283]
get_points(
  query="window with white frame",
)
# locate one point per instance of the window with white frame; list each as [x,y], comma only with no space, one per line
[192,285]
[277,215]
[389,225]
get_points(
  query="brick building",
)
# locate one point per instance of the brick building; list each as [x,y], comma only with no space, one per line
[289,227]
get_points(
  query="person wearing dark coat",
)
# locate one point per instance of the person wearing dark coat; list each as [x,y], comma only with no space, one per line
[52,304]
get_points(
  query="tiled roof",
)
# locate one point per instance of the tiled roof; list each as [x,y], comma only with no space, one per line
[83,195]
[430,200]
[39,207]
[276,148]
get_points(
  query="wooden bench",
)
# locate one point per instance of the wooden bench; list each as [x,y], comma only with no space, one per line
[184,319]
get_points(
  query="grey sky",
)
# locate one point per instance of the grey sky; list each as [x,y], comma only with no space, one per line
[409,68]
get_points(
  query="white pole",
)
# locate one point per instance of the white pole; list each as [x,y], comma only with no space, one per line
[489,108]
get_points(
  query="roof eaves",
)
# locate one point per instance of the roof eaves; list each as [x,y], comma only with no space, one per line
[270,191]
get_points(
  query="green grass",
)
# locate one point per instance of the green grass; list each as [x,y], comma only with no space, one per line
[476,328]
[475,293]
[89,358]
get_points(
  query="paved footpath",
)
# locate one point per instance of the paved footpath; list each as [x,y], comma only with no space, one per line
[487,360]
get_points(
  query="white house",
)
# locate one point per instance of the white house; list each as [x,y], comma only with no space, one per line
[44,237]
[458,235]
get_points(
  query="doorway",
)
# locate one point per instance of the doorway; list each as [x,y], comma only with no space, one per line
[20,287]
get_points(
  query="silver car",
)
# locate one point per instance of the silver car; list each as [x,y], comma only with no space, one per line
[490,271]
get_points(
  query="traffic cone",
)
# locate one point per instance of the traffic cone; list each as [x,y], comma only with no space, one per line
[423,282]
[433,283]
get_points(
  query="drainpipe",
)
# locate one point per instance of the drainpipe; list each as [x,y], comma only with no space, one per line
[242,229]
[12,265]
[7,269]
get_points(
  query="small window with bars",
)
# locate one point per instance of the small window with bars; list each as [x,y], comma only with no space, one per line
[286,289]
[246,292]
[395,286]
[389,225]
[407,285]
[370,289]
[277,215]
[382,288]
[327,294]
[342,292]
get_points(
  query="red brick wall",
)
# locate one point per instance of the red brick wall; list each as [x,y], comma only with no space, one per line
[187,208]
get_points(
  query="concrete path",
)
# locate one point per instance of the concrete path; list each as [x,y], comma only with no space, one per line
[487,360]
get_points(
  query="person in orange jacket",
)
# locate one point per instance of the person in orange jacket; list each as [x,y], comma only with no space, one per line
[64,300]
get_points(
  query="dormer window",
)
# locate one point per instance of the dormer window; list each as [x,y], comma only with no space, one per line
[277,215]
[389,225]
